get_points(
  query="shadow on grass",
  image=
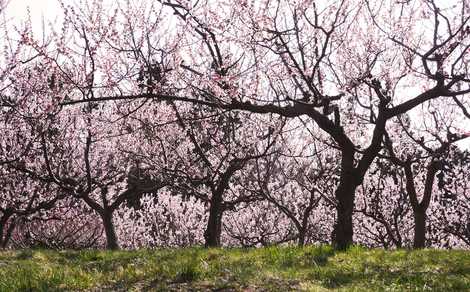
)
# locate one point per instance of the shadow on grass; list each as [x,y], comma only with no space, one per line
[278,268]
[319,256]
[396,270]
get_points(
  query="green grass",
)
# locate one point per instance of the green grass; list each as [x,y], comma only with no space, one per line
[312,268]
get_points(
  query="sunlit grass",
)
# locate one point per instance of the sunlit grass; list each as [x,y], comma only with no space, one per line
[312,268]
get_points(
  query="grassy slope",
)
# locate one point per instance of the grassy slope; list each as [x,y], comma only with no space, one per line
[266,269]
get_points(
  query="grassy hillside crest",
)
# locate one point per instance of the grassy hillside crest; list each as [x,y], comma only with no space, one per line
[311,268]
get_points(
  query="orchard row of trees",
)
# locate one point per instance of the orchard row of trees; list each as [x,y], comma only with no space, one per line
[248,123]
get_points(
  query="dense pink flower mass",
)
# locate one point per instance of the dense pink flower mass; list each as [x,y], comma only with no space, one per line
[237,123]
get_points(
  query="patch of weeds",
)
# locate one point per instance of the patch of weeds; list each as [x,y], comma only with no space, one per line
[289,258]
[24,254]
[318,257]
[280,284]
[337,279]
[213,255]
[187,274]
[281,257]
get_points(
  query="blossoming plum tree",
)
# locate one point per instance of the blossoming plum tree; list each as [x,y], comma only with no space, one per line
[188,97]
[331,62]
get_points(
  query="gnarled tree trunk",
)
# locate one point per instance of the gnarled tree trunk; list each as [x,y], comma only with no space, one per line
[343,229]
[420,208]
[5,234]
[345,194]
[214,224]
[111,238]
[419,240]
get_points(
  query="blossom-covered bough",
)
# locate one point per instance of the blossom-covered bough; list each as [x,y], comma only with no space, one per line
[331,63]
[224,105]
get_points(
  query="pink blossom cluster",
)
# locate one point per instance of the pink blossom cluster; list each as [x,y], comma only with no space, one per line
[237,123]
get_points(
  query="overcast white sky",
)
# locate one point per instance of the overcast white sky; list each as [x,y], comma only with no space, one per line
[17,10]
